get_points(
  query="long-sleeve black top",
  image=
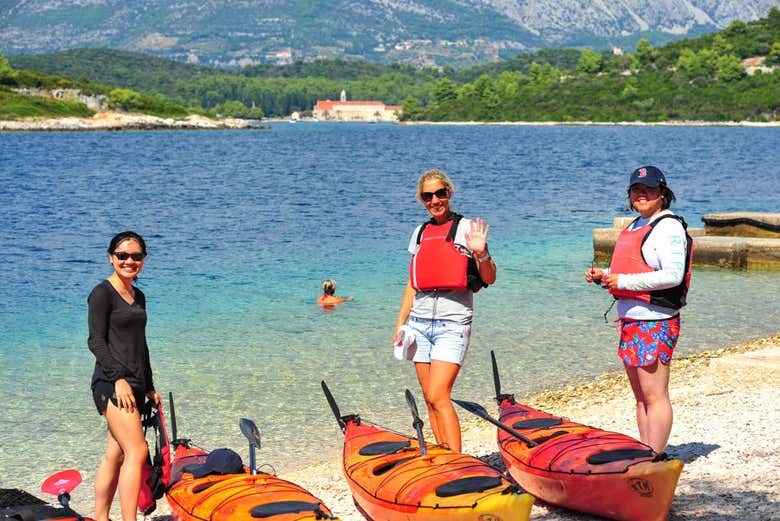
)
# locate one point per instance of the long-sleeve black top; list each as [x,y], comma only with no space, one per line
[117,337]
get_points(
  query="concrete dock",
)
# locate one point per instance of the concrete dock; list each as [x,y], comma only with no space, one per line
[738,240]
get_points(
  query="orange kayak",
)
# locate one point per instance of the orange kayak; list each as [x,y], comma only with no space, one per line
[236,497]
[391,479]
[584,468]
[205,488]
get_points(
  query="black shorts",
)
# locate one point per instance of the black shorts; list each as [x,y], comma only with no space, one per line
[103,391]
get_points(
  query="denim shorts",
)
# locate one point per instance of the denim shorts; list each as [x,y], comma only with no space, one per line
[443,340]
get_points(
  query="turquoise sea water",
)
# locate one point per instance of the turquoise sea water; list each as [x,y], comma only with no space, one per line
[243,226]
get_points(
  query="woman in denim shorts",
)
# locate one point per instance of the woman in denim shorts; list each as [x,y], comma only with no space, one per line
[441,316]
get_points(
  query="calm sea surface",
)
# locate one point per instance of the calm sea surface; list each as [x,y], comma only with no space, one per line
[243,226]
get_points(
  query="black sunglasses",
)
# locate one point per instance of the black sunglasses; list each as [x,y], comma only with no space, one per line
[123,255]
[441,193]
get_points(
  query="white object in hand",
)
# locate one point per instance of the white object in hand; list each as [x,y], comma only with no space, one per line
[405,344]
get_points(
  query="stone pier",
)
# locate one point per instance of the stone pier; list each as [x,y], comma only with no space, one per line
[738,240]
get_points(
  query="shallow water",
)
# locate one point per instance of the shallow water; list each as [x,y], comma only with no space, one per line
[243,226]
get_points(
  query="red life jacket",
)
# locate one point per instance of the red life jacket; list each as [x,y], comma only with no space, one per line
[437,263]
[628,258]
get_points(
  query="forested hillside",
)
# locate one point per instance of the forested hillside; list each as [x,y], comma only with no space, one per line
[16,100]
[699,79]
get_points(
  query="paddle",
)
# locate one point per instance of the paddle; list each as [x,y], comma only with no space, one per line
[496,379]
[173,416]
[417,423]
[61,484]
[333,406]
[252,433]
[478,410]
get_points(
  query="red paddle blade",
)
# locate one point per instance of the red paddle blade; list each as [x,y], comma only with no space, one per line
[63,481]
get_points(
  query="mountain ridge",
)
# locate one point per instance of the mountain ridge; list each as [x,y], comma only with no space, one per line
[417,32]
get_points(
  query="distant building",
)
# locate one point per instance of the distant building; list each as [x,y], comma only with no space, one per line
[282,57]
[93,102]
[343,110]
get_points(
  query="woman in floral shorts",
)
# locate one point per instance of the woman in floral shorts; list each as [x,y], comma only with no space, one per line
[649,276]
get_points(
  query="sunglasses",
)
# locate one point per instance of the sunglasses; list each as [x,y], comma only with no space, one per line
[441,193]
[123,255]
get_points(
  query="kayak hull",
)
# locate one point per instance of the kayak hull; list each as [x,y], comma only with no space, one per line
[236,497]
[390,480]
[586,469]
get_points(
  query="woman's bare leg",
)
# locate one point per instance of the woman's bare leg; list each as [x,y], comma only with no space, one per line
[437,380]
[106,478]
[125,427]
[650,385]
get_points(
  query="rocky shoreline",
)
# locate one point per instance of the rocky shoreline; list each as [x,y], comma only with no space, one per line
[725,431]
[126,121]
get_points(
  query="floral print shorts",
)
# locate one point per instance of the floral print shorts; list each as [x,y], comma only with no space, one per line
[643,342]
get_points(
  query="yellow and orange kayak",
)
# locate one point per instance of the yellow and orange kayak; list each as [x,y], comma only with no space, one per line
[584,468]
[392,479]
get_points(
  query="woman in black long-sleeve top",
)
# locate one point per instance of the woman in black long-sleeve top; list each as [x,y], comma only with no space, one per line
[122,379]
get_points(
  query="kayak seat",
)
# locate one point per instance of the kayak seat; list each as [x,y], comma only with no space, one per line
[555,434]
[203,486]
[537,423]
[468,485]
[383,447]
[608,456]
[388,466]
[285,507]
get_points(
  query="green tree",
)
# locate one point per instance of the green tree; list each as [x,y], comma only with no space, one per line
[411,107]
[5,68]
[698,65]
[630,91]
[729,68]
[773,58]
[721,46]
[590,62]
[444,90]
[124,99]
[645,53]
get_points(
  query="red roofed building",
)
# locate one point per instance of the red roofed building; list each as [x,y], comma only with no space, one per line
[344,110]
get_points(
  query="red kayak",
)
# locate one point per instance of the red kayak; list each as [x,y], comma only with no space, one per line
[580,467]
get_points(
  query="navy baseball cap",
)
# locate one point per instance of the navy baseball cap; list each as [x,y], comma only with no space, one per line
[219,461]
[647,175]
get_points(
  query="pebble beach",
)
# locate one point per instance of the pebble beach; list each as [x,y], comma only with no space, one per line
[726,411]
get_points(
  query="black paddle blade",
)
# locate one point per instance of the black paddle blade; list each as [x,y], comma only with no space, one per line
[496,380]
[413,406]
[417,423]
[473,408]
[250,431]
[478,410]
[173,416]
[333,406]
